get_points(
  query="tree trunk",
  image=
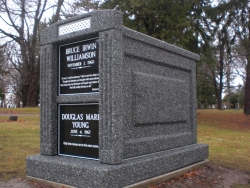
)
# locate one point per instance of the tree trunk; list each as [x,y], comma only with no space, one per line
[247,86]
[247,90]
[221,64]
[56,16]
[30,91]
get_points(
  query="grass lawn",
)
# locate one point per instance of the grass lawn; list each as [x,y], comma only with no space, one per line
[33,110]
[228,135]
[17,141]
[226,132]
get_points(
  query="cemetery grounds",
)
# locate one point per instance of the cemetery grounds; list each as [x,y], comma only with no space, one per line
[227,133]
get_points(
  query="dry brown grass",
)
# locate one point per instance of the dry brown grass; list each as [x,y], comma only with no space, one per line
[228,135]
[17,141]
[33,110]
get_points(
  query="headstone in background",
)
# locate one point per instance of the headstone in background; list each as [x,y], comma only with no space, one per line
[237,106]
[13,118]
[202,106]
[117,106]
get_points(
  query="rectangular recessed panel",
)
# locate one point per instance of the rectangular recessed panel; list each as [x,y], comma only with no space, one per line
[74,26]
[159,100]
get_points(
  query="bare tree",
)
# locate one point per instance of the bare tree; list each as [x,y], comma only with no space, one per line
[243,27]
[240,62]
[21,21]
[4,73]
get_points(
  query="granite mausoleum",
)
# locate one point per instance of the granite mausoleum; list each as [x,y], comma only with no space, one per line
[117,106]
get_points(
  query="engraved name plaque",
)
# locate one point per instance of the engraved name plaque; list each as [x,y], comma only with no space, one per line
[78,130]
[78,68]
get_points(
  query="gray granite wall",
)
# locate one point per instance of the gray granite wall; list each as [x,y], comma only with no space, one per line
[160,99]
[48,92]
[111,106]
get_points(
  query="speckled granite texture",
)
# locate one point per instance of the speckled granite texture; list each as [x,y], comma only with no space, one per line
[147,107]
[92,174]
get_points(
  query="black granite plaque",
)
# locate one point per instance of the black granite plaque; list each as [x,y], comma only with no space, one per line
[78,130]
[78,68]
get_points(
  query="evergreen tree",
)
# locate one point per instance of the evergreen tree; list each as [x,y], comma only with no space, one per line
[244,33]
[240,13]
[174,21]
[207,86]
[222,26]
[85,5]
